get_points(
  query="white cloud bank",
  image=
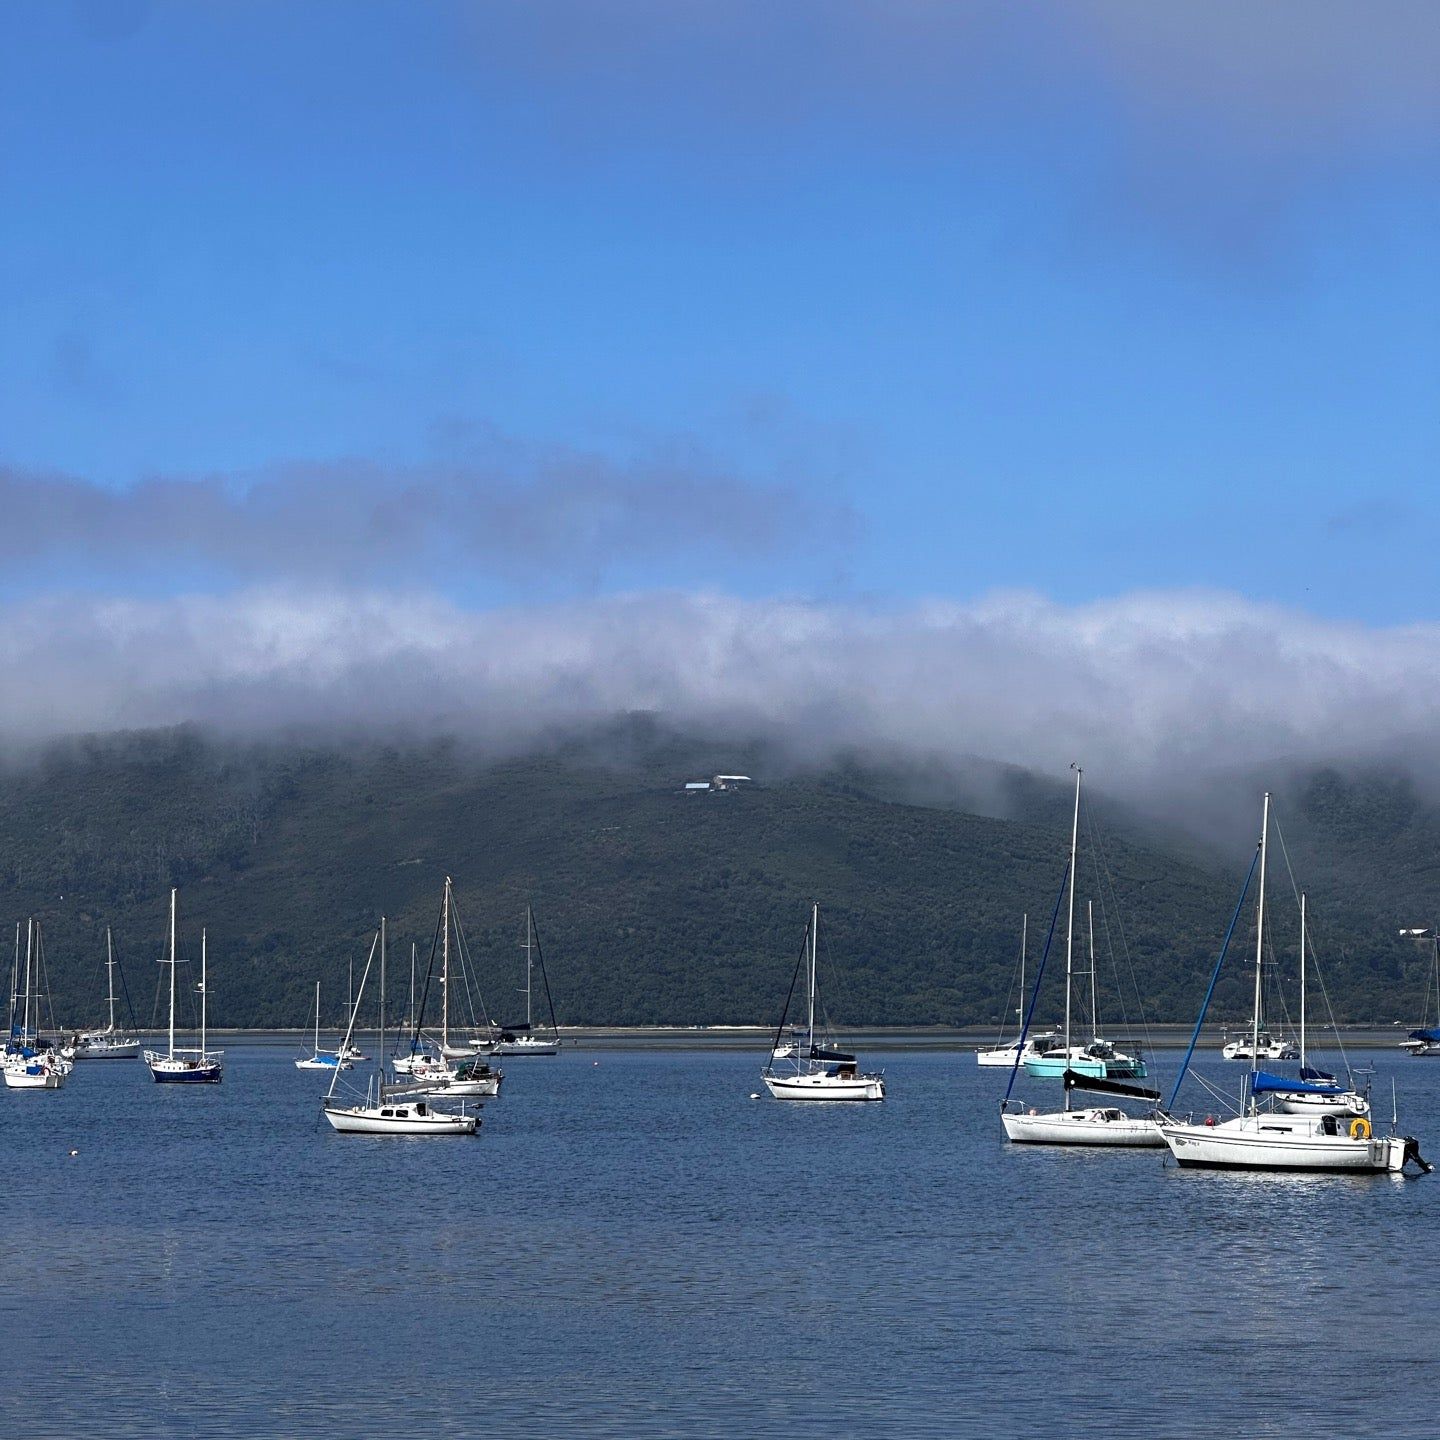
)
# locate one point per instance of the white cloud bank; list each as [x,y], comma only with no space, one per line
[1149,689]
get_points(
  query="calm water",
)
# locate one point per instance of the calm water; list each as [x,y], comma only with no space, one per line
[634,1247]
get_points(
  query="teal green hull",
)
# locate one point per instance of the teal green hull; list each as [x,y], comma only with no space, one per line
[1053,1069]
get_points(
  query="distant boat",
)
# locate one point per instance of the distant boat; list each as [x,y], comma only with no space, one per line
[1424,1042]
[1260,1045]
[322,1059]
[1079,1067]
[1097,1060]
[1000,1054]
[110,1043]
[179,1066]
[1316,1092]
[385,1110]
[1263,1137]
[524,1038]
[820,1071]
[31,1062]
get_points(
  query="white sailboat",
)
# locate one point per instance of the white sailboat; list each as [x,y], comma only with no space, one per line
[524,1039]
[820,1073]
[1317,1092]
[385,1110]
[1088,1125]
[322,1059]
[1263,1137]
[180,1066]
[111,1043]
[31,1062]
[1008,1056]
[1424,1041]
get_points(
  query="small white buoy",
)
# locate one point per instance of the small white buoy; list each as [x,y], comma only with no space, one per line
[74,1152]
[754,1094]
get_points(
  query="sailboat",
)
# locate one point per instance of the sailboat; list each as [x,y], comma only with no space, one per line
[1317,1092]
[1001,1054]
[820,1072]
[1099,1059]
[384,1111]
[321,1059]
[431,1063]
[1089,1125]
[1264,1137]
[185,1067]
[110,1043]
[524,1039]
[1424,1043]
[30,1062]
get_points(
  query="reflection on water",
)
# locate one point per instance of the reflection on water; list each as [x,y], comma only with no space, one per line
[637,1248]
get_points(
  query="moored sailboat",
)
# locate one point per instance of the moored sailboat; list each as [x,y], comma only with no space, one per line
[181,1066]
[820,1072]
[30,1061]
[1424,1042]
[322,1059]
[523,1038]
[386,1110]
[1070,1125]
[1263,1137]
[111,1043]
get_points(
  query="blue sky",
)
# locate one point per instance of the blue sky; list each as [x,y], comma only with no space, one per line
[872,307]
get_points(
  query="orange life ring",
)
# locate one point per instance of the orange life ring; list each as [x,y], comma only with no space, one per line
[1359,1128]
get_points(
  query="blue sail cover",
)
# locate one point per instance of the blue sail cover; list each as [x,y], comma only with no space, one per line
[1262,1082]
[1428,1037]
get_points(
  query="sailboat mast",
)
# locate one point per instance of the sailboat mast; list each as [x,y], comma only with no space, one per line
[172,974]
[1024,936]
[202,990]
[529,960]
[1094,979]
[380,1038]
[1303,1059]
[317,1017]
[1070,920]
[1259,941]
[410,1015]
[445,974]
[110,975]
[29,950]
[814,955]
[14,984]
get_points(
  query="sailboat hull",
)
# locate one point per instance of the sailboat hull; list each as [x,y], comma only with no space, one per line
[121,1050]
[33,1077]
[1094,1126]
[513,1048]
[825,1087]
[398,1119]
[1282,1142]
[182,1070]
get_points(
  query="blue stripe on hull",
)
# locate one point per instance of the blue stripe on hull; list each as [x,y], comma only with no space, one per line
[187,1077]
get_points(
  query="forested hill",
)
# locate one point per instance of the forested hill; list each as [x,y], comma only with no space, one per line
[654,905]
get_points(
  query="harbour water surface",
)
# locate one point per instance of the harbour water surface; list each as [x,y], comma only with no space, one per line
[632,1247]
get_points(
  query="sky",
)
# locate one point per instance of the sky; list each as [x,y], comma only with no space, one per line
[724,357]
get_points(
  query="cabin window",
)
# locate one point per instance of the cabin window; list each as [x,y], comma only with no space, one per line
[387,1114]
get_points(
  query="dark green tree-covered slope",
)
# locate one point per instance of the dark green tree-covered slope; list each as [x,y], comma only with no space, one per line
[656,906]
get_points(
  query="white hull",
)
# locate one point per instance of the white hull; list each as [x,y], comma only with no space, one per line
[449,1088]
[314,1063]
[398,1118]
[1093,1126]
[513,1048]
[1276,1050]
[108,1050]
[33,1077]
[1349,1104]
[1282,1142]
[826,1087]
[1008,1056]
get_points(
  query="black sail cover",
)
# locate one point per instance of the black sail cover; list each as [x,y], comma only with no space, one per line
[838,1056]
[1097,1086]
